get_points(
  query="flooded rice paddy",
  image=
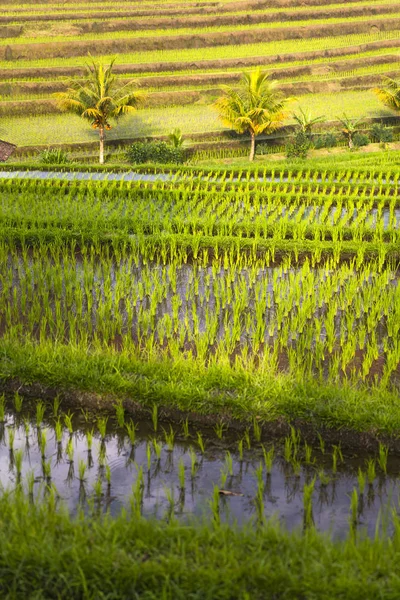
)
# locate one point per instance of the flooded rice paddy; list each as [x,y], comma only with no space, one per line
[109,462]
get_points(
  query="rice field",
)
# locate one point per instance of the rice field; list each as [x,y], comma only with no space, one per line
[192,51]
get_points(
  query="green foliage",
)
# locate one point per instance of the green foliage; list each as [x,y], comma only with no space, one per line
[360,139]
[380,133]
[327,140]
[155,152]
[54,156]
[300,146]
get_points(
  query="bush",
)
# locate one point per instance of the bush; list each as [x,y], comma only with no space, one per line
[156,152]
[54,156]
[328,140]
[300,146]
[360,139]
[380,133]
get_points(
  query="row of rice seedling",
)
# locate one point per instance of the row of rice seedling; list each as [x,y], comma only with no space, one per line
[332,321]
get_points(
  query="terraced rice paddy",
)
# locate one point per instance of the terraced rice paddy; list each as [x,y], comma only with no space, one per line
[182,55]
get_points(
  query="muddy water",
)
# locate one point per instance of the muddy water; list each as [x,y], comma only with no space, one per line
[163,492]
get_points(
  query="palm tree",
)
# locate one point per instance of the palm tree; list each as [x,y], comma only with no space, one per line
[349,127]
[305,120]
[99,99]
[255,107]
[390,95]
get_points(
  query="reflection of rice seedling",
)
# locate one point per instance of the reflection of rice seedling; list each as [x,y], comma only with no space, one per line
[108,475]
[18,456]
[200,442]
[229,463]
[40,412]
[181,474]
[120,413]
[382,457]
[102,426]
[169,438]
[361,478]
[193,462]
[131,431]
[308,490]
[353,511]
[18,402]
[11,438]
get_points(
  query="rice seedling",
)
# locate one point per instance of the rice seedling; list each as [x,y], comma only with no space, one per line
[148,455]
[194,465]
[68,423]
[240,449]
[268,459]
[58,429]
[136,500]
[120,413]
[81,471]
[43,443]
[154,417]
[89,440]
[169,437]
[257,430]
[247,439]
[46,466]
[157,448]
[56,406]
[371,470]
[18,400]
[353,511]
[324,478]
[18,457]
[321,443]
[229,463]
[309,460]
[2,408]
[361,479]
[40,412]
[98,489]
[336,454]
[185,428]
[30,483]
[70,450]
[219,429]
[102,427]
[131,431]
[215,507]
[200,442]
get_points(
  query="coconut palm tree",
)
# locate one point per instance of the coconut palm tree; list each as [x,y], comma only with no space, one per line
[305,120]
[349,127]
[99,99]
[390,94]
[254,107]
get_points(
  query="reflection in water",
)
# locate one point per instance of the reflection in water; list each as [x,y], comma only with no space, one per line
[161,479]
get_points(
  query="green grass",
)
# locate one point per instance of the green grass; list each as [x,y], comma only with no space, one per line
[46,553]
[63,128]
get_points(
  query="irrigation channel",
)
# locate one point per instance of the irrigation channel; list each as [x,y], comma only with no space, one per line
[111,462]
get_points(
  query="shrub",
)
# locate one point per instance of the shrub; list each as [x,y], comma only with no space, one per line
[380,133]
[300,146]
[360,139]
[158,152]
[328,140]
[54,156]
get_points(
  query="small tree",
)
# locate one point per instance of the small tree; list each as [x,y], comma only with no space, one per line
[305,121]
[99,99]
[349,128]
[390,94]
[255,107]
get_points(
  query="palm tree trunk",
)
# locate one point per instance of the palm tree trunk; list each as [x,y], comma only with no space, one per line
[101,133]
[351,143]
[252,146]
